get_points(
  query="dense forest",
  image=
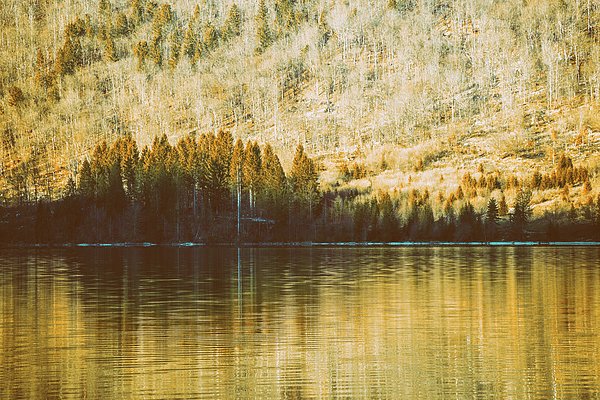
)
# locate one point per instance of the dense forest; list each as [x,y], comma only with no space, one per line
[211,189]
[421,117]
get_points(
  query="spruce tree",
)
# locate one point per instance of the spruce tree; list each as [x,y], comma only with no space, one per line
[110,54]
[155,50]
[86,180]
[137,11]
[237,161]
[218,167]
[491,215]
[304,181]
[251,171]
[273,176]
[121,25]
[188,47]
[502,206]
[263,32]
[233,23]
[521,214]
[491,219]
[141,51]
[210,37]
[174,46]
[285,18]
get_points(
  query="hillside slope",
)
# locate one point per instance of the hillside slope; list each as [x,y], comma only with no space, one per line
[419,92]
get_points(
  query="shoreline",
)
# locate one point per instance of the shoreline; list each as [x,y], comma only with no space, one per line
[302,244]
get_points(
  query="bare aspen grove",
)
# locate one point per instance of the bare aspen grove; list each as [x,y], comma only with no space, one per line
[373,120]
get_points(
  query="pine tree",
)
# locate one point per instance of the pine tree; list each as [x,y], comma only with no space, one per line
[304,180]
[87,185]
[115,199]
[174,46]
[285,18]
[273,176]
[151,9]
[104,9]
[502,206]
[491,215]
[15,96]
[122,25]
[467,223]
[597,219]
[68,57]
[389,220]
[110,54]
[196,14]
[155,50]
[491,219]
[237,161]
[521,214]
[210,37]
[42,77]
[251,171]
[124,151]
[189,44]
[233,23]
[218,167]
[137,11]
[141,51]
[100,165]
[263,32]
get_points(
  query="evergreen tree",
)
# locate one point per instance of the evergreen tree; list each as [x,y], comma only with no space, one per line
[187,152]
[273,176]
[141,51]
[104,9]
[137,11]
[502,206]
[110,54]
[389,221]
[151,9]
[233,23]
[304,180]
[174,46]
[86,180]
[263,32]
[521,214]
[285,18]
[218,167]
[188,47]
[597,219]
[41,76]
[122,25]
[491,219]
[156,50]
[124,151]
[68,57]
[237,162]
[210,37]
[115,198]
[251,172]
[273,184]
[491,215]
[467,229]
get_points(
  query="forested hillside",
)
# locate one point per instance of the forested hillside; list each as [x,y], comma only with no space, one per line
[390,96]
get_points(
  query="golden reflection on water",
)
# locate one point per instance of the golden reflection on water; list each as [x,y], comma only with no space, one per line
[300,323]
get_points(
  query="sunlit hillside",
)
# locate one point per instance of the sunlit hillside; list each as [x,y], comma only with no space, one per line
[413,92]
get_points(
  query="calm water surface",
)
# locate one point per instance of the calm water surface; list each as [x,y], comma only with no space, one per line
[166,323]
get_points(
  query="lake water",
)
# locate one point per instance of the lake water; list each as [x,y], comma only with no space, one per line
[390,323]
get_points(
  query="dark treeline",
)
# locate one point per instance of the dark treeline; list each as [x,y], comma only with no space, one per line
[206,188]
[190,191]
